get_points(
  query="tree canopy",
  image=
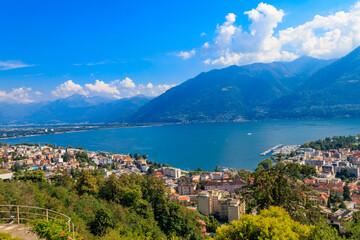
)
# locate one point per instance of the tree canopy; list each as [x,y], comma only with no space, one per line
[272,223]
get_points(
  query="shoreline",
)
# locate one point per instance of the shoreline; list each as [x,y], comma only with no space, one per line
[103,127]
[90,128]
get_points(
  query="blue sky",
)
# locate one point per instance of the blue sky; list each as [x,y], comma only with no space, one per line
[122,48]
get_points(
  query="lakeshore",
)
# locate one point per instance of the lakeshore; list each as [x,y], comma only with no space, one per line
[189,146]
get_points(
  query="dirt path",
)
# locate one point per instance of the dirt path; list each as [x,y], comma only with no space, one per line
[20,231]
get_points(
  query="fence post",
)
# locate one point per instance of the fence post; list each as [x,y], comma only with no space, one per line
[18,214]
[47,214]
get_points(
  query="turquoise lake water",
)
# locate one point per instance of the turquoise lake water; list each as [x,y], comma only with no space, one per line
[190,146]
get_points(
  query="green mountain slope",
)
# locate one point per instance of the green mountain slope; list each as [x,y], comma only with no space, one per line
[228,94]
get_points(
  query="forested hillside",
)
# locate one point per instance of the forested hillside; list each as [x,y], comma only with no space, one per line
[129,207]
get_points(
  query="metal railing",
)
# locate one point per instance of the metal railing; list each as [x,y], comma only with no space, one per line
[22,214]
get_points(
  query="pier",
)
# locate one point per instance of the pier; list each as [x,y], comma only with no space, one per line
[271,150]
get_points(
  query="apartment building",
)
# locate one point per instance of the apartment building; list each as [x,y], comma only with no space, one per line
[172,172]
[186,188]
[225,185]
[220,203]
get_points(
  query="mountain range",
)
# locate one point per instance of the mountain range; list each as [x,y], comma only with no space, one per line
[73,109]
[234,93]
[305,88]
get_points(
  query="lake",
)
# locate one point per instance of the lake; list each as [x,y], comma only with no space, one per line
[205,145]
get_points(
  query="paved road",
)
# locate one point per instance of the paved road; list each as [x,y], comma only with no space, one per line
[20,231]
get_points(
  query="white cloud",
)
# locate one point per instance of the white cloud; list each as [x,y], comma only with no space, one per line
[206,45]
[93,63]
[18,95]
[186,54]
[325,37]
[153,90]
[116,89]
[6,65]
[67,89]
[103,88]
[127,83]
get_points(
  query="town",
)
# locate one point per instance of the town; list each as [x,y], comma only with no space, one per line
[335,181]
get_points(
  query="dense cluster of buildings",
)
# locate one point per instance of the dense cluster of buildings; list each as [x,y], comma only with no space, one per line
[330,166]
[330,162]
[51,159]
[218,194]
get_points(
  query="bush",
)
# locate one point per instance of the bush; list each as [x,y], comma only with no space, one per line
[7,236]
[51,229]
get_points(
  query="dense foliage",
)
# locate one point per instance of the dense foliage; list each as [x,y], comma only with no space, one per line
[125,207]
[279,186]
[353,227]
[335,142]
[272,223]
[346,176]
[52,229]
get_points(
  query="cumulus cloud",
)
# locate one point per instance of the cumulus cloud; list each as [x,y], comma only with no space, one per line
[103,89]
[327,37]
[126,83]
[115,89]
[18,95]
[186,54]
[324,37]
[6,65]
[67,89]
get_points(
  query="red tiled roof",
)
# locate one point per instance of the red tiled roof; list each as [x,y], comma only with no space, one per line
[192,209]
[184,199]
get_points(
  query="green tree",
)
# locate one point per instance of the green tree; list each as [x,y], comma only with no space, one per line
[322,230]
[87,183]
[66,157]
[334,198]
[62,178]
[211,224]
[353,227]
[342,205]
[265,164]
[16,167]
[102,222]
[274,223]
[151,170]
[33,176]
[279,186]
[52,229]
[217,169]
[346,193]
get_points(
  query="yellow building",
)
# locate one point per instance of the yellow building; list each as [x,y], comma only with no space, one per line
[205,203]
[215,202]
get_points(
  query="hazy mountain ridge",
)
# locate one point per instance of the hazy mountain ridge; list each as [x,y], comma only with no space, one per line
[73,109]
